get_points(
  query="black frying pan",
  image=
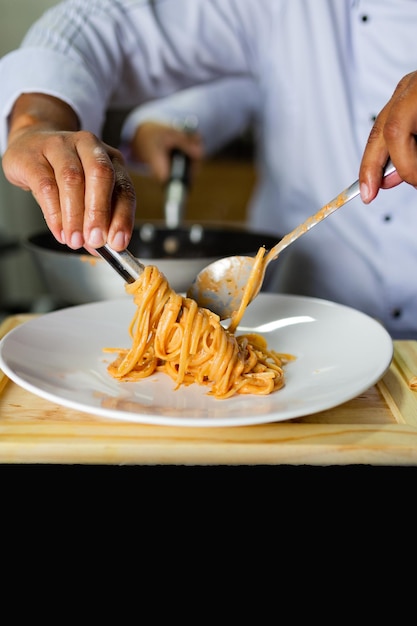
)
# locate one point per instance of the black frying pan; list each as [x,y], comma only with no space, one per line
[76,277]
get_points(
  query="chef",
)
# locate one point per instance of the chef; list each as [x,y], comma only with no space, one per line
[316,76]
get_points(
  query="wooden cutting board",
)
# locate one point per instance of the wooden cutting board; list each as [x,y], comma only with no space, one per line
[379,427]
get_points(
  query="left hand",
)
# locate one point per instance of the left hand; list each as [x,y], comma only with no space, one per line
[154,141]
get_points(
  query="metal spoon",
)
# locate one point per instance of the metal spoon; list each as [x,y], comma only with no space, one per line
[220,286]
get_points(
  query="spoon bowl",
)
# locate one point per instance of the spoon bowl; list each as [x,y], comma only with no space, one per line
[221,285]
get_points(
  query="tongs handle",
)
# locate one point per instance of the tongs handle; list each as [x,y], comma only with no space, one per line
[123,262]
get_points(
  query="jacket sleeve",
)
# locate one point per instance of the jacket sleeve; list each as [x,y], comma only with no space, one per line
[103,55]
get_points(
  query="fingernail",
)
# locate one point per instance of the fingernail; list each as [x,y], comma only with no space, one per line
[364,189]
[96,238]
[63,237]
[77,240]
[119,240]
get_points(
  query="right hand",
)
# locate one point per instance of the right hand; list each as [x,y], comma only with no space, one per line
[153,143]
[81,184]
[393,135]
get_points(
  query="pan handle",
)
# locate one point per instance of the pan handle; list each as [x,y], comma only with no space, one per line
[179,180]
[177,188]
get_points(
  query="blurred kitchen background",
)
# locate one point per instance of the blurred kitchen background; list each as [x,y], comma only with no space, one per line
[219,193]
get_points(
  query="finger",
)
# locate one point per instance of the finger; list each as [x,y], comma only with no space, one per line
[392,135]
[400,129]
[153,143]
[123,206]
[61,153]
[160,153]
[110,201]
[374,159]
[99,180]
[90,190]
[190,142]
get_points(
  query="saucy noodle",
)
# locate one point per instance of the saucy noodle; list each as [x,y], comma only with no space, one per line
[171,333]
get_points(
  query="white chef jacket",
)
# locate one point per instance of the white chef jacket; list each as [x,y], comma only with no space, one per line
[321,70]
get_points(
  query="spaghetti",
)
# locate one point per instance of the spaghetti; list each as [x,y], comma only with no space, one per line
[171,333]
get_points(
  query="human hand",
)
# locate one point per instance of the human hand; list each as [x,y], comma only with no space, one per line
[393,135]
[80,183]
[153,143]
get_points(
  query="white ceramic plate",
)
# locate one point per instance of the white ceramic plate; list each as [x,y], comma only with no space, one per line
[58,356]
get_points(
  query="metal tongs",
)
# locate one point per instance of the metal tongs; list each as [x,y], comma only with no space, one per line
[123,262]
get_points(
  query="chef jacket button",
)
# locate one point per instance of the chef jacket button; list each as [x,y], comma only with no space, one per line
[387,218]
[373,118]
[396,313]
[364,18]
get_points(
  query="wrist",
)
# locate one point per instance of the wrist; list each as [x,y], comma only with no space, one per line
[42,112]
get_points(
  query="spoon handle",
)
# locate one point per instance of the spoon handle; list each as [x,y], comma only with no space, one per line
[340,200]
